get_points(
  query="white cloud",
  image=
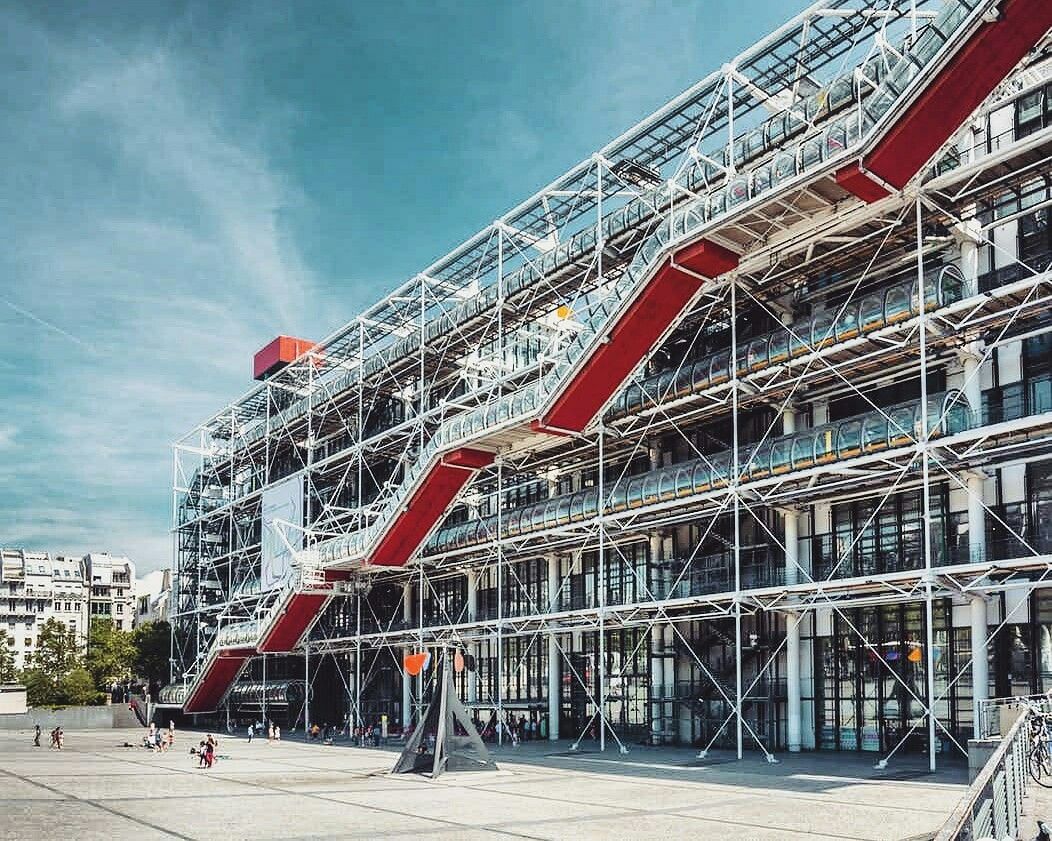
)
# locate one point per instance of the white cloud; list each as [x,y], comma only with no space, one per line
[145,226]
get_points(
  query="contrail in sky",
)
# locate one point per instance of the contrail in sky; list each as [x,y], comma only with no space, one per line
[46,324]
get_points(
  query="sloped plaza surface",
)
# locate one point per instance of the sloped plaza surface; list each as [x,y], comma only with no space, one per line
[97,789]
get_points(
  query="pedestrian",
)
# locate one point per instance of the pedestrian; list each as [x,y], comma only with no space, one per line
[277,733]
[36,737]
[251,731]
[270,733]
[171,732]
[58,737]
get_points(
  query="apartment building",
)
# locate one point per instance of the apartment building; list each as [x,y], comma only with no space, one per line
[35,587]
[112,589]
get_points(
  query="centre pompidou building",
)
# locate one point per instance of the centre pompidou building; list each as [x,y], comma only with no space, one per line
[738,434]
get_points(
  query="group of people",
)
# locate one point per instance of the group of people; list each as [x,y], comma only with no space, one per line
[57,738]
[369,734]
[157,739]
[206,754]
[517,730]
[273,731]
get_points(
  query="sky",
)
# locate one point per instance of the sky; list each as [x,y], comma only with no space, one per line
[181,182]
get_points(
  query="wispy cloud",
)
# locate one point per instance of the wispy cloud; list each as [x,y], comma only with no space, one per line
[148,262]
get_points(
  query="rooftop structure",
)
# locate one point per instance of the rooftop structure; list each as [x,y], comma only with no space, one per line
[736,433]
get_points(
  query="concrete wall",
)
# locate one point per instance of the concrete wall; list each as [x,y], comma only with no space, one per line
[12,699]
[70,718]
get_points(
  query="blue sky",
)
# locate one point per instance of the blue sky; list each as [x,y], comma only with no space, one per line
[180,182]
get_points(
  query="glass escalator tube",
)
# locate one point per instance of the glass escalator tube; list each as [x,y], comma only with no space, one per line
[667,484]
[781,456]
[577,501]
[756,353]
[701,480]
[901,425]
[719,368]
[721,470]
[871,312]
[958,413]
[634,494]
[848,439]
[825,438]
[758,462]
[822,330]
[847,323]
[778,347]
[650,488]
[684,481]
[897,303]
[563,514]
[875,433]
[551,513]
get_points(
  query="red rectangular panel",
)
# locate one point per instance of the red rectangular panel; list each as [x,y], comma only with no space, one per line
[285,632]
[426,507]
[278,354]
[657,306]
[856,181]
[469,458]
[220,675]
[959,88]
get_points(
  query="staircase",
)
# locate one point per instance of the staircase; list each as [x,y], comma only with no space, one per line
[927,94]
[279,628]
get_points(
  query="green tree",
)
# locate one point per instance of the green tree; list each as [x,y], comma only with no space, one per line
[153,648]
[57,652]
[110,653]
[39,690]
[78,688]
[7,658]
[56,656]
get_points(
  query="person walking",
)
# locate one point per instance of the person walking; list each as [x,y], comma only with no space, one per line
[36,736]
[171,732]
[270,733]
[277,733]
[251,731]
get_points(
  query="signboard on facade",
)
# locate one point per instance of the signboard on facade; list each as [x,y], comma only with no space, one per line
[282,515]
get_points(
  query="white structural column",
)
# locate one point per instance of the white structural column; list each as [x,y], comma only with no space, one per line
[976,517]
[969,234]
[473,609]
[554,657]
[407,683]
[980,663]
[971,356]
[791,519]
[657,683]
[792,681]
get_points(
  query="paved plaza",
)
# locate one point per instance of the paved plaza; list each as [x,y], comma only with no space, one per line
[97,789]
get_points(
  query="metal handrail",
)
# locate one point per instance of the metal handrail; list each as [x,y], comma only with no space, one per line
[991,806]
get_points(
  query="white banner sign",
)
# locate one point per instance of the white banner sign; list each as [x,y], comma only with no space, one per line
[282,532]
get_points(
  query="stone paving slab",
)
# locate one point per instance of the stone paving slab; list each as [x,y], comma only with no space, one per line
[98,789]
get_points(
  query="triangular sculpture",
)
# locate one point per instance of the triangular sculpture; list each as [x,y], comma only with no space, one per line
[458,746]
